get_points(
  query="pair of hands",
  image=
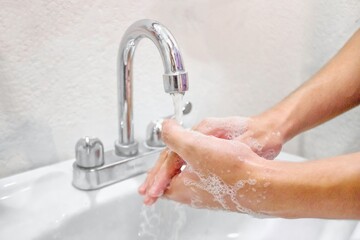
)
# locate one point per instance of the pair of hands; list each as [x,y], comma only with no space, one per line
[217,164]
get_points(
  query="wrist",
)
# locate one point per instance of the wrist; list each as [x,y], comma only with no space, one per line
[279,122]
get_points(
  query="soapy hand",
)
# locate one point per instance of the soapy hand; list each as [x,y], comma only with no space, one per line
[218,173]
[255,132]
[234,132]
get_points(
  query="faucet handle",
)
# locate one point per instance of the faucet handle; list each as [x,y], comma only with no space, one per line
[186,110]
[89,152]
[153,131]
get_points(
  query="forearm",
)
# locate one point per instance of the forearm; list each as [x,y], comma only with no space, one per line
[332,91]
[328,188]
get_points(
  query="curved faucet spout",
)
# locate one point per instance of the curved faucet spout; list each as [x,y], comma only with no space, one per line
[175,77]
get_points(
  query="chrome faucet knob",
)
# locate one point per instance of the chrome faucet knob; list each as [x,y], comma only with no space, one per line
[89,152]
[153,131]
[153,134]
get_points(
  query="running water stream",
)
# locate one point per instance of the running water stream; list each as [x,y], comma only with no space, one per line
[178,106]
[164,219]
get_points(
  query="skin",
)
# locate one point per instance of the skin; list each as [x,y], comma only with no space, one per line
[237,150]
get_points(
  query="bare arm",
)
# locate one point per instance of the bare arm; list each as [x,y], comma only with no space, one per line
[223,174]
[332,91]
[327,188]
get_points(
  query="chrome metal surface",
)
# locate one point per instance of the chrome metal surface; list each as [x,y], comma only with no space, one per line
[116,169]
[153,134]
[153,131]
[89,152]
[130,149]
[175,83]
[175,76]
[187,108]
[93,169]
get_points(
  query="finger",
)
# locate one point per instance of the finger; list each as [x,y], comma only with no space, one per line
[226,128]
[152,173]
[186,188]
[142,188]
[217,127]
[170,167]
[144,185]
[149,200]
[178,191]
[209,126]
[192,146]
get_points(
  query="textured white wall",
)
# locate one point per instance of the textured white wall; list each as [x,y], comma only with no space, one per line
[58,64]
[330,24]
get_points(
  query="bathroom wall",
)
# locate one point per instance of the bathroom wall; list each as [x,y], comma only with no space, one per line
[58,65]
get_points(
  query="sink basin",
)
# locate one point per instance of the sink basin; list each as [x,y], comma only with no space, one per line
[42,204]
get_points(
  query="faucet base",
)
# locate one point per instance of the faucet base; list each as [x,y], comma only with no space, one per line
[127,150]
[114,170]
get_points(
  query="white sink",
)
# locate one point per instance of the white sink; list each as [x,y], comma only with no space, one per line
[42,204]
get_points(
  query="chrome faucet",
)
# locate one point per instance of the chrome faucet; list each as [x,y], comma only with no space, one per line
[93,168]
[175,78]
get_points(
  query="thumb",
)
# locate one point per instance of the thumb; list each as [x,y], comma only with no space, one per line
[190,145]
